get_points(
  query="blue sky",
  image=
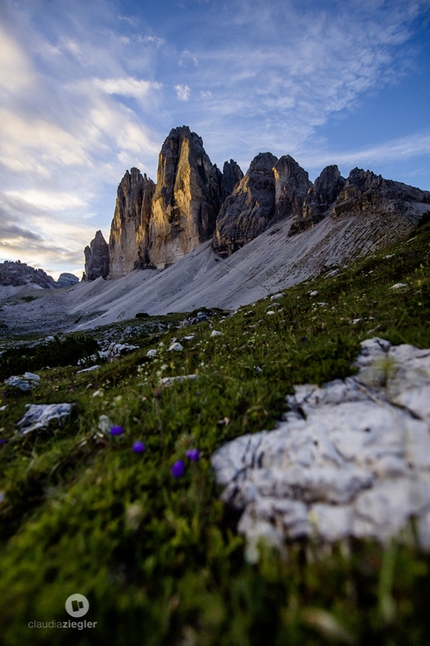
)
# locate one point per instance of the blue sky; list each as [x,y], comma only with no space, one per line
[90,88]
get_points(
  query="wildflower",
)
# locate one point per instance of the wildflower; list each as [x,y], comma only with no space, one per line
[178,469]
[116,430]
[304,338]
[138,447]
[193,454]
[2,441]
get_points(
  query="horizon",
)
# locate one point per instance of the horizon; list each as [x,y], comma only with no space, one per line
[89,92]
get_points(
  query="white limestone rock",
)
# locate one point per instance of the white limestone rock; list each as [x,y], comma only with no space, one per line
[42,416]
[351,458]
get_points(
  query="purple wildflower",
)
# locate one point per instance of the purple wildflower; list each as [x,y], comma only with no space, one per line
[193,454]
[304,338]
[138,447]
[116,430]
[2,441]
[178,469]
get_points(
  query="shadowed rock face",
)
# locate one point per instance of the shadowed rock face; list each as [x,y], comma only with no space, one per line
[320,197]
[231,175]
[187,197]
[366,192]
[291,187]
[250,209]
[128,241]
[19,273]
[66,280]
[96,258]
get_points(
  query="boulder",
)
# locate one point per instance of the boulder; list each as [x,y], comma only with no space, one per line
[351,458]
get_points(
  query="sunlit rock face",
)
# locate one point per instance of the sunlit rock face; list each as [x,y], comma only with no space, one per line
[187,197]
[128,241]
[96,258]
[250,209]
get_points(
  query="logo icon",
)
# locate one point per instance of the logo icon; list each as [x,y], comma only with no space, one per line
[77,605]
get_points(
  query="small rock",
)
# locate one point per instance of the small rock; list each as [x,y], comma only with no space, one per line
[276,297]
[399,286]
[40,416]
[151,353]
[168,381]
[216,333]
[104,424]
[91,369]
[176,347]
[25,383]
[314,293]
[190,337]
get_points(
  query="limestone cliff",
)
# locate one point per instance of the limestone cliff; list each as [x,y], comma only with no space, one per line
[250,209]
[231,175]
[365,192]
[319,199]
[96,258]
[19,273]
[128,240]
[187,197]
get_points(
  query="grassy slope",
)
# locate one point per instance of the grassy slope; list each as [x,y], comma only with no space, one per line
[158,557]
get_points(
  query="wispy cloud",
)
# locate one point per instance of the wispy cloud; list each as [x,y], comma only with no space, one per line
[183,92]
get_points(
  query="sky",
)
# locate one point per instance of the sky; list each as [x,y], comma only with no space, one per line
[91,88]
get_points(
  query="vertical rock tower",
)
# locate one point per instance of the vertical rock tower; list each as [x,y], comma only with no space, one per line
[187,197]
[96,258]
[128,241]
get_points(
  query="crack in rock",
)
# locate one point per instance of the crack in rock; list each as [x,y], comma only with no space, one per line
[351,458]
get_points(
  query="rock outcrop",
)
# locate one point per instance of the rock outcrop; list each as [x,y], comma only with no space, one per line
[352,458]
[272,189]
[365,192]
[67,280]
[319,199]
[250,209]
[96,258]
[231,175]
[19,273]
[129,239]
[187,197]
[291,187]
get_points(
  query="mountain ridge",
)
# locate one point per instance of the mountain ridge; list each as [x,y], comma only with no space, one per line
[155,225]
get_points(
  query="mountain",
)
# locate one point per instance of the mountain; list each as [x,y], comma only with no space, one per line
[19,274]
[155,225]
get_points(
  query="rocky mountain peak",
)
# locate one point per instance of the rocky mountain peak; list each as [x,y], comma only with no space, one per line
[291,186]
[96,258]
[186,199]
[130,225]
[231,175]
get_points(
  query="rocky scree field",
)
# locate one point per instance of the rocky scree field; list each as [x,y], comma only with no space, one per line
[119,502]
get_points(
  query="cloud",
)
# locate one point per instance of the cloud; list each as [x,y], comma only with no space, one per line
[403,148]
[183,92]
[127,86]
[187,59]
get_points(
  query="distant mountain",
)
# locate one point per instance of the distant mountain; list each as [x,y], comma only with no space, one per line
[16,274]
[155,225]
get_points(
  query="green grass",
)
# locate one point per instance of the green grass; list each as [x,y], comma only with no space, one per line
[159,558]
